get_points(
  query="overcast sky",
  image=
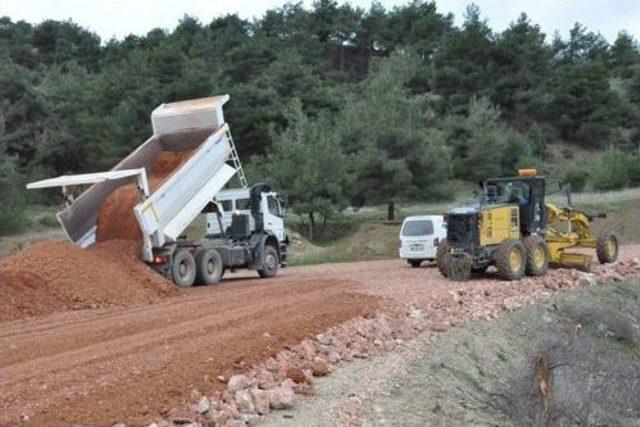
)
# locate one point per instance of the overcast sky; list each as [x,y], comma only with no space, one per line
[109,18]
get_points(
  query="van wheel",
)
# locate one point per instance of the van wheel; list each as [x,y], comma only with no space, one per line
[183,268]
[270,263]
[415,263]
[209,267]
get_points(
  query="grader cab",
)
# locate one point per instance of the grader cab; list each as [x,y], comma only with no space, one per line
[513,228]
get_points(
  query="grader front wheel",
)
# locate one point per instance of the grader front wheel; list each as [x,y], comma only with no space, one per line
[607,247]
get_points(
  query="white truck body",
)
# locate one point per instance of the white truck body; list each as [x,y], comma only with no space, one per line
[419,237]
[252,239]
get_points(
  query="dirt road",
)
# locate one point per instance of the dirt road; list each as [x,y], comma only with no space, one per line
[133,364]
[96,367]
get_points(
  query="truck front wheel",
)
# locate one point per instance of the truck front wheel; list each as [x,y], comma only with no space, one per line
[270,262]
[183,268]
[209,267]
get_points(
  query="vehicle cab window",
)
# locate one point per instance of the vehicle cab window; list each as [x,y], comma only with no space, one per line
[274,206]
[243,204]
[418,228]
[226,205]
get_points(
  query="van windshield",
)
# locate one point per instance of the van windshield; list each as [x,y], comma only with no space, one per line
[417,228]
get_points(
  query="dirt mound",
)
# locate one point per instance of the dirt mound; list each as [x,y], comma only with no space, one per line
[116,219]
[55,276]
[52,276]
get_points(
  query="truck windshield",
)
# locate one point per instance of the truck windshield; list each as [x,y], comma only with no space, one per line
[417,228]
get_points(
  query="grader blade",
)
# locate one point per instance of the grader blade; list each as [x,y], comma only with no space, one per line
[573,260]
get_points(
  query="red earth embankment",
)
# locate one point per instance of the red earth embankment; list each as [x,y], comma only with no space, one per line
[52,276]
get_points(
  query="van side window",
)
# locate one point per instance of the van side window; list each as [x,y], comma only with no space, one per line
[242,204]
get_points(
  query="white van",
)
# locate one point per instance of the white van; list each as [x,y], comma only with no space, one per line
[419,237]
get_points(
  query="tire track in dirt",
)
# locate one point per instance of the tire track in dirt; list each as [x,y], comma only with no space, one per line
[134,364]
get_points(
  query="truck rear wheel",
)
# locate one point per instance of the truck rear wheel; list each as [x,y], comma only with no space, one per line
[183,268]
[270,262]
[537,255]
[607,247]
[209,267]
[511,259]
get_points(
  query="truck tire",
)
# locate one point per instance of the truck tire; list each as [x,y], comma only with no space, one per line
[270,263]
[183,268]
[607,247]
[208,267]
[511,259]
[442,254]
[537,256]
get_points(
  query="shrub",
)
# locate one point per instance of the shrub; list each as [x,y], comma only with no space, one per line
[577,178]
[12,198]
[616,170]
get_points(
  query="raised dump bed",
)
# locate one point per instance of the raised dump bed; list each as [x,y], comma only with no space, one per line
[169,203]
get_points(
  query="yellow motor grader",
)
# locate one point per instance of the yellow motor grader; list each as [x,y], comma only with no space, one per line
[513,228]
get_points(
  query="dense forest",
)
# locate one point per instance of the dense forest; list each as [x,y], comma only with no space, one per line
[337,105]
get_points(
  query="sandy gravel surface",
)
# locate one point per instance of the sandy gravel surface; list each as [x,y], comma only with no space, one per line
[134,364]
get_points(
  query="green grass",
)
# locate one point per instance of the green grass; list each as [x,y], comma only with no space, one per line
[502,357]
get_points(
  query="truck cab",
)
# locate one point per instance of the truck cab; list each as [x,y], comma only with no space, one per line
[237,201]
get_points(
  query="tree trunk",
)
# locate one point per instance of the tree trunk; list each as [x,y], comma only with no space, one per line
[391,211]
[312,225]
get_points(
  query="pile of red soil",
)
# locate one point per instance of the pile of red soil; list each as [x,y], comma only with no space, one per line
[116,219]
[55,276]
[52,276]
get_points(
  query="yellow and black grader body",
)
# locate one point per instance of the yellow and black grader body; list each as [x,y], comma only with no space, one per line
[513,228]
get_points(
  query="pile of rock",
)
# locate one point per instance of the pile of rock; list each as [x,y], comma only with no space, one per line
[274,383]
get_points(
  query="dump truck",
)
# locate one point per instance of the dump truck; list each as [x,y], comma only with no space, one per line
[513,228]
[253,238]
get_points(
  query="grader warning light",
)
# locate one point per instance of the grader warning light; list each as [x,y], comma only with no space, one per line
[527,172]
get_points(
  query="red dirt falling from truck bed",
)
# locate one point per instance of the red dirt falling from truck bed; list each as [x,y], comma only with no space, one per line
[116,219]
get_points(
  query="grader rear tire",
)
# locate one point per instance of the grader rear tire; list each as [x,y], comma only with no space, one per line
[607,247]
[511,259]
[442,253]
[459,267]
[537,256]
